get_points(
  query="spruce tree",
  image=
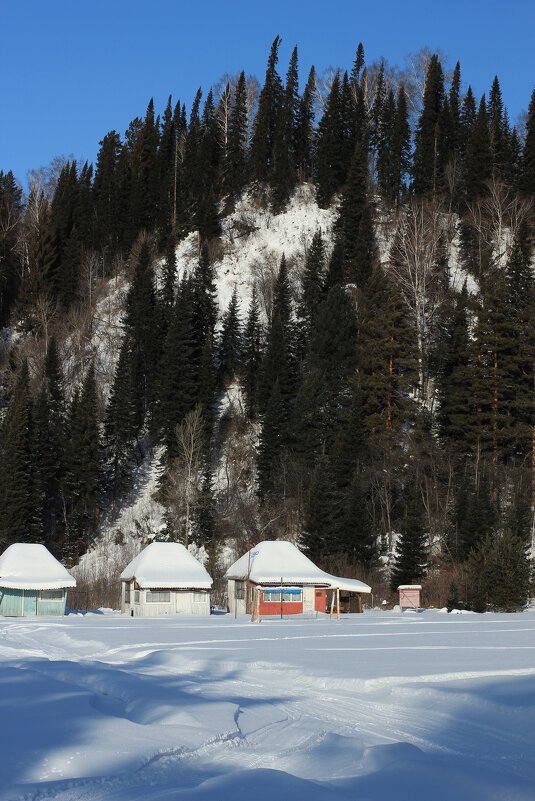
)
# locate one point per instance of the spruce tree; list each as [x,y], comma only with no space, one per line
[165,165]
[204,522]
[304,130]
[49,447]
[329,164]
[498,129]
[83,466]
[348,132]
[385,161]
[204,311]
[284,172]
[312,283]
[527,167]
[518,347]
[252,355]
[350,451]
[168,280]
[355,225]
[235,162]
[401,146]
[17,491]
[357,539]
[178,369]
[378,121]
[331,355]
[40,280]
[266,120]
[307,423]
[386,357]
[427,144]
[192,168]
[122,421]
[357,65]
[10,224]
[322,515]
[143,165]
[411,555]
[455,399]
[230,342]
[454,98]
[508,573]
[467,119]
[474,517]
[279,355]
[141,330]
[477,166]
[106,196]
[272,444]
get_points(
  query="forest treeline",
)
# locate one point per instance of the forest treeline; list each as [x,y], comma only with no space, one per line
[393,406]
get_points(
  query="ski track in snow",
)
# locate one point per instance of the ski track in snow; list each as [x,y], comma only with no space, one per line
[376,706]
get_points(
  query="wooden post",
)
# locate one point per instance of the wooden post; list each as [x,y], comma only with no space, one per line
[281,597]
[338,603]
[253,606]
[332,604]
[258,605]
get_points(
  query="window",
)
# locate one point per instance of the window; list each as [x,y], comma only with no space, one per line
[239,590]
[288,596]
[199,597]
[51,595]
[127,592]
[158,597]
[136,596]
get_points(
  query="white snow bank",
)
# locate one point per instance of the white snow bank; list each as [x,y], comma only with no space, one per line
[169,565]
[30,566]
[376,706]
[271,561]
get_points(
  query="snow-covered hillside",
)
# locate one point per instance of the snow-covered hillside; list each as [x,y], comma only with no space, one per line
[253,241]
[379,706]
[252,244]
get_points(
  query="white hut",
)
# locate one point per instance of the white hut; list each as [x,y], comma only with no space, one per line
[275,577]
[165,579]
[32,581]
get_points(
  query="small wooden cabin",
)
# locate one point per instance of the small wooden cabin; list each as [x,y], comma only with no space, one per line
[32,582]
[275,577]
[165,579]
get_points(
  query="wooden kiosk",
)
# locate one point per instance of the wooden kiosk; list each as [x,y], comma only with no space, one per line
[409,596]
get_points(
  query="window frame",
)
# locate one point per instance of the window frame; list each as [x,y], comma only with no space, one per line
[287,596]
[49,599]
[150,600]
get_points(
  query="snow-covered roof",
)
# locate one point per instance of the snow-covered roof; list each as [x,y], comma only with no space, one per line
[28,566]
[270,561]
[410,587]
[169,565]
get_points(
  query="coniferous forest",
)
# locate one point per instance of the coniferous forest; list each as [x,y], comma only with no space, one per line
[386,379]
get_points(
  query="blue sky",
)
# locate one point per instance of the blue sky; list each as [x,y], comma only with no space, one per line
[74,69]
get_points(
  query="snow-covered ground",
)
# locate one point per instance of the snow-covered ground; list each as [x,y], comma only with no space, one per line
[374,707]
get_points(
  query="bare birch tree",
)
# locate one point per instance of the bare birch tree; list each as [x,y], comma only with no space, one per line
[184,477]
[414,263]
[496,218]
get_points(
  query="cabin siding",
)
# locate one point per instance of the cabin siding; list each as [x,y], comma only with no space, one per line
[185,602]
[28,603]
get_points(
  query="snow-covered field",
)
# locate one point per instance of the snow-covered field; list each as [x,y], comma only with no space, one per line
[374,707]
